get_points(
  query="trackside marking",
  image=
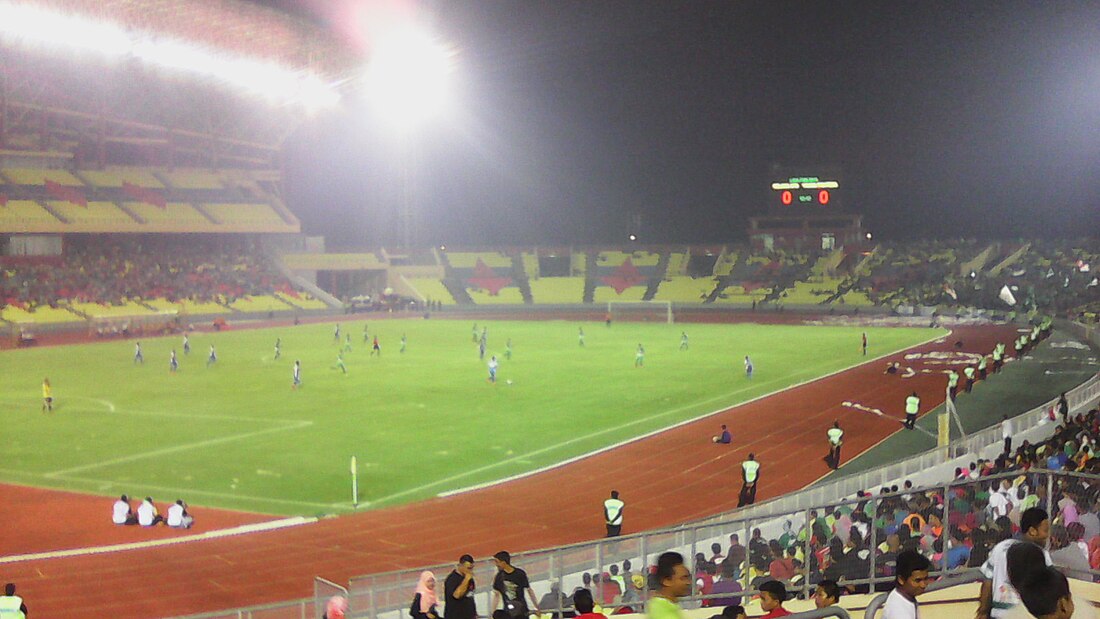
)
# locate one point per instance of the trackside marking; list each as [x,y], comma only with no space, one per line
[95,550]
[634,439]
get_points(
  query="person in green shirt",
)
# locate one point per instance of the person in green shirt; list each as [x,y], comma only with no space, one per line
[675,582]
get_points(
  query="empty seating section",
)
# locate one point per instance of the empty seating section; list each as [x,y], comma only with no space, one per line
[27,176]
[260,303]
[616,258]
[725,263]
[96,217]
[19,213]
[738,296]
[468,260]
[192,179]
[578,264]
[677,264]
[431,289]
[42,315]
[118,177]
[302,301]
[531,265]
[812,292]
[557,289]
[505,296]
[99,310]
[684,289]
[174,217]
[252,215]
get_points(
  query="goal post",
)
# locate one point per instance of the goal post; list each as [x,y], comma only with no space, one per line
[644,311]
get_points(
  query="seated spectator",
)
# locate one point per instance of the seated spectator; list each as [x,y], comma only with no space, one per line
[582,602]
[772,596]
[723,438]
[727,583]
[147,513]
[554,601]
[959,552]
[122,512]
[734,611]
[826,594]
[178,517]
[781,567]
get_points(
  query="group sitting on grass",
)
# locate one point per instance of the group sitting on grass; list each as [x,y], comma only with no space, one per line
[147,515]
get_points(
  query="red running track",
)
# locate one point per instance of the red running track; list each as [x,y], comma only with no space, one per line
[666,479]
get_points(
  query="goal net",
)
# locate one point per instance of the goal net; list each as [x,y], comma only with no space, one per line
[641,311]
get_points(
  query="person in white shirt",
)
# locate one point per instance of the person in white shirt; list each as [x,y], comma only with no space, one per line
[911,580]
[836,440]
[147,513]
[122,513]
[999,505]
[178,518]
[998,596]
[1006,433]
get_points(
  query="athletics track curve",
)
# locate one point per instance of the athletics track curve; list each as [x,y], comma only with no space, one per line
[666,479]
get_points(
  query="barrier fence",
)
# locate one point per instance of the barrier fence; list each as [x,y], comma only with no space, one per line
[388,595]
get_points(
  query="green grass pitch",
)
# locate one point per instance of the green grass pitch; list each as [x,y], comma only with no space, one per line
[236,435]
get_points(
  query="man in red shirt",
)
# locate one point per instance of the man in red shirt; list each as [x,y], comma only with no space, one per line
[582,602]
[772,596]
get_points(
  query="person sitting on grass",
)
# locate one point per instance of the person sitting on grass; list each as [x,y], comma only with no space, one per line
[772,596]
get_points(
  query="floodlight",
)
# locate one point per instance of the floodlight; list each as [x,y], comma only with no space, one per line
[633,238]
[407,78]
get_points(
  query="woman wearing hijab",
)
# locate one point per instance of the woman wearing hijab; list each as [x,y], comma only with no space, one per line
[423,604]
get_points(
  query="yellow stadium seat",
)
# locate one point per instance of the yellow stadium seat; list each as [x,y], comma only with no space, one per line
[35,176]
[431,288]
[558,289]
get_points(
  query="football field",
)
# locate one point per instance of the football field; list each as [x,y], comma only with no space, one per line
[236,435]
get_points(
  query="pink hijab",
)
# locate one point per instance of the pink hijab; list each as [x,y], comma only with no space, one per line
[426,589]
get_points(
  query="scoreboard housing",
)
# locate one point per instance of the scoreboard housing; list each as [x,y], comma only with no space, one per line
[805,212]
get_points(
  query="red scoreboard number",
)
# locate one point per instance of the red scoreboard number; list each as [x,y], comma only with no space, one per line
[787,197]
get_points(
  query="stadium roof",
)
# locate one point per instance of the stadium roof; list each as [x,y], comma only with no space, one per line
[260,72]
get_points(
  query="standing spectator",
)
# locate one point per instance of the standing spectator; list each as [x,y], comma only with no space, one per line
[1006,433]
[178,518]
[613,514]
[424,600]
[912,407]
[910,582]
[836,440]
[772,596]
[736,555]
[1063,408]
[997,595]
[12,605]
[674,582]
[147,513]
[122,513]
[509,585]
[458,591]
[750,475]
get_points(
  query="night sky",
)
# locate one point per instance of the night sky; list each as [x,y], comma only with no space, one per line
[948,119]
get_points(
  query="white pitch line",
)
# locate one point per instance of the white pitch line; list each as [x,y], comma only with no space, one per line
[176,448]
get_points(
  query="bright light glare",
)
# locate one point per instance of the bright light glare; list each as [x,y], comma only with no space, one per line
[277,84]
[408,78]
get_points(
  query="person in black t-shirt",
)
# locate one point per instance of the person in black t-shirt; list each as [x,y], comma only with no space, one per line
[509,585]
[458,591]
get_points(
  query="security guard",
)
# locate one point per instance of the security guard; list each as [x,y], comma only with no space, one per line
[969,372]
[912,407]
[750,474]
[613,514]
[952,383]
[11,605]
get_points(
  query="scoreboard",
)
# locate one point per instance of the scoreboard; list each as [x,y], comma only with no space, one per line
[805,191]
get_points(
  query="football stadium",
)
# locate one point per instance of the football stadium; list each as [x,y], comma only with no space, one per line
[388,309]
